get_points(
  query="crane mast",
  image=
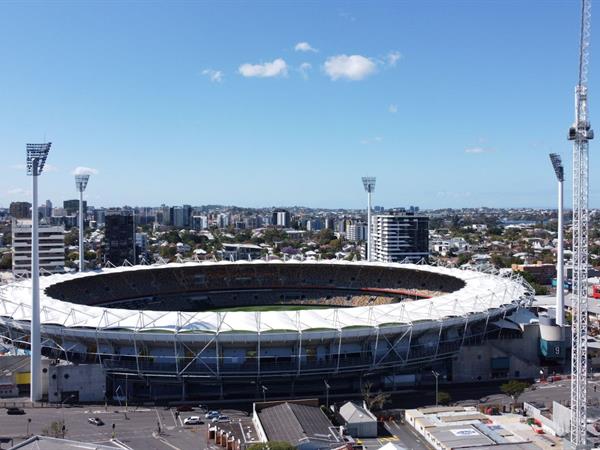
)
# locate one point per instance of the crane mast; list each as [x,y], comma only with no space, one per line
[580,133]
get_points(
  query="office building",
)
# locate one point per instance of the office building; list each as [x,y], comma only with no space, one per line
[314,225]
[71,207]
[20,210]
[281,218]
[51,248]
[47,209]
[100,217]
[397,237]
[177,217]
[118,235]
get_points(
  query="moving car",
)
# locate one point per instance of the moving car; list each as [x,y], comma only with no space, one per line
[192,420]
[95,421]
[14,411]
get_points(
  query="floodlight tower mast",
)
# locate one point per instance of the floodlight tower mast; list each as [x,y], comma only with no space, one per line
[560,291]
[369,185]
[580,133]
[36,159]
[81,182]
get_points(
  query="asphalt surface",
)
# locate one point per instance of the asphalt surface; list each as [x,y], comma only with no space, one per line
[138,429]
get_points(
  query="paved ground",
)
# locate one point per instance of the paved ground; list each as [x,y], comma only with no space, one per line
[137,429]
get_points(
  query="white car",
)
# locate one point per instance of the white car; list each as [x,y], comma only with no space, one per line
[221,419]
[192,420]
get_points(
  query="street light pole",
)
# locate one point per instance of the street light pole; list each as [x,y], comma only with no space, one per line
[369,185]
[264,391]
[81,182]
[436,375]
[36,158]
[560,288]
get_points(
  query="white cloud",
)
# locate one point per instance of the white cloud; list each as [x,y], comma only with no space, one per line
[276,68]
[393,108]
[17,192]
[84,171]
[304,69]
[216,76]
[304,47]
[393,57]
[353,67]
[477,150]
[374,140]
[347,16]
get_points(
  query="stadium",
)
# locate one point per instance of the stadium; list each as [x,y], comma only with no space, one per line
[229,329]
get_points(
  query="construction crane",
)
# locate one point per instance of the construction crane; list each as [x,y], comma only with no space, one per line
[580,133]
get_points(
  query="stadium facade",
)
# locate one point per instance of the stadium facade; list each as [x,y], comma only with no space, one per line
[229,329]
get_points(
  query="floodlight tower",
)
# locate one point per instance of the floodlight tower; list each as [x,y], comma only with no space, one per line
[369,185]
[36,159]
[560,291]
[580,133]
[81,182]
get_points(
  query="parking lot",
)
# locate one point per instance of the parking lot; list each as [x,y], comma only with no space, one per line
[141,428]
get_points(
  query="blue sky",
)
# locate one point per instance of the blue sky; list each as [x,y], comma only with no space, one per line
[448,103]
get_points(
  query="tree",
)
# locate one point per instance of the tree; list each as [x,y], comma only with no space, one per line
[374,400]
[272,445]
[326,236]
[56,429]
[6,261]
[514,388]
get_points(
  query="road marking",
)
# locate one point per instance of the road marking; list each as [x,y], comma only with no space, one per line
[158,416]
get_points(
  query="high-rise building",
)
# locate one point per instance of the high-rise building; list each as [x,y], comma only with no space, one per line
[397,237]
[187,215]
[177,217]
[48,209]
[223,220]
[356,232]
[71,207]
[20,210]
[51,248]
[100,217]
[199,222]
[118,235]
[314,225]
[281,218]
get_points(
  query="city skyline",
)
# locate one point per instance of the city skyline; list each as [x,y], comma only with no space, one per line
[215,104]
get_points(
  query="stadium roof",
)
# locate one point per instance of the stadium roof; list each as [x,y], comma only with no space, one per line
[482,292]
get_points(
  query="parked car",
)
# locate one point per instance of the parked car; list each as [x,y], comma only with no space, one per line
[212,414]
[95,421]
[203,407]
[221,419]
[184,408]
[192,420]
[14,411]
